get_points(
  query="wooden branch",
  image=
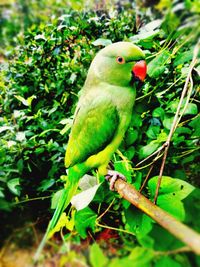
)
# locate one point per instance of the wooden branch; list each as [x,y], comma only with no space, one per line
[167,221]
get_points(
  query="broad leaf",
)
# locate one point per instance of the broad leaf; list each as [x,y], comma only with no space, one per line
[85,219]
[148,149]
[171,192]
[167,261]
[139,257]
[102,42]
[157,66]
[97,258]
[158,112]
[83,199]
[137,222]
[14,186]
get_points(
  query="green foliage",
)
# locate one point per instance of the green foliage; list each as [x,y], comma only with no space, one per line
[85,219]
[97,258]
[171,191]
[39,90]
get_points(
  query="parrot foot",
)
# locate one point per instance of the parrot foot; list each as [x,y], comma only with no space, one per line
[112,176]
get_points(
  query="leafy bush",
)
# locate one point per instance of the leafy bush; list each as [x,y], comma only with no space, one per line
[39,91]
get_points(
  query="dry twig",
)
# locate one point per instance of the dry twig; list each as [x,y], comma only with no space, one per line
[177,118]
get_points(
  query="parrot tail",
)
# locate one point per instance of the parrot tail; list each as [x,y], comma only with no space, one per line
[74,175]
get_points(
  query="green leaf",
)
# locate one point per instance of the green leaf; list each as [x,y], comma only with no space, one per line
[149,35]
[183,57]
[97,258]
[40,37]
[136,120]
[85,219]
[195,125]
[46,184]
[167,242]
[157,66]
[130,152]
[167,261]
[171,192]
[148,149]
[147,32]
[124,167]
[6,128]
[102,42]
[87,182]
[141,256]
[20,136]
[27,102]
[64,221]
[138,180]
[5,205]
[171,205]
[137,222]
[13,185]
[68,124]
[183,130]
[171,186]
[131,136]
[158,112]
[172,21]
[191,108]
[83,199]
[2,195]
[153,131]
[167,122]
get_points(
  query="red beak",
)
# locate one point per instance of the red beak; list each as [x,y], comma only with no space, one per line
[140,70]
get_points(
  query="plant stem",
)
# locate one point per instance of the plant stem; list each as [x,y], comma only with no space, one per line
[100,216]
[174,251]
[178,117]
[114,228]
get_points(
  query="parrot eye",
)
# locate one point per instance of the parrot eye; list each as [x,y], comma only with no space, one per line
[120,60]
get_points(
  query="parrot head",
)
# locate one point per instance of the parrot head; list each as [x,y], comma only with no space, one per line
[120,64]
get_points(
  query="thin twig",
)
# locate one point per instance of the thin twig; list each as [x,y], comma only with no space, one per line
[174,251]
[150,170]
[177,117]
[105,211]
[175,123]
[151,155]
[114,228]
[161,172]
[191,119]
[30,199]
[146,178]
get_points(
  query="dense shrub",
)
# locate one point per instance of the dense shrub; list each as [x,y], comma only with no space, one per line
[39,91]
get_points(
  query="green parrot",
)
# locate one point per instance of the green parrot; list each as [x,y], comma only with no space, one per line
[102,116]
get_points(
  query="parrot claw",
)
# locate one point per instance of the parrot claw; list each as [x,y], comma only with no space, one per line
[112,176]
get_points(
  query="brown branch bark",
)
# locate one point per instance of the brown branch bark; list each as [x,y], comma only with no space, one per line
[172,225]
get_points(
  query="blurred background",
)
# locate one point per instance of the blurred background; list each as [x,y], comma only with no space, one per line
[46,48]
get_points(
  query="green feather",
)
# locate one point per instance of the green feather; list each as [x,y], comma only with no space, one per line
[64,200]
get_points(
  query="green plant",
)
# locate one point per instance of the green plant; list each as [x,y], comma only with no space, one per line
[39,90]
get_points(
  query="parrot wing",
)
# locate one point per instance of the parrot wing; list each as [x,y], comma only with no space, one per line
[93,129]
